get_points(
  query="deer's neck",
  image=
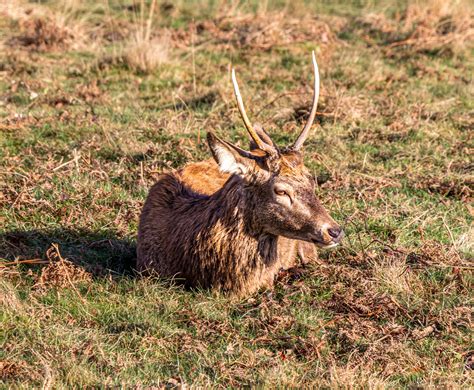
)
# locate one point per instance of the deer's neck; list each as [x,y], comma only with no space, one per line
[236,207]
[233,229]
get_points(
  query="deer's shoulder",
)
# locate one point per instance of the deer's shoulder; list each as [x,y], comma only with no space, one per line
[170,187]
[203,177]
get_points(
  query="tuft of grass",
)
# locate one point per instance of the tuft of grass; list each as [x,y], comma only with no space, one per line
[142,51]
[145,54]
[83,139]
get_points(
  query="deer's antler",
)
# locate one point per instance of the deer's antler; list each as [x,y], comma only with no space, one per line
[304,133]
[253,134]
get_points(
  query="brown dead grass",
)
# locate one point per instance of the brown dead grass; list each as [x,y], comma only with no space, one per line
[60,272]
[42,29]
[381,307]
[433,253]
[370,283]
[265,31]
[438,26]
[261,32]
[430,26]
[143,50]
[449,187]
[146,54]
[13,369]
[45,34]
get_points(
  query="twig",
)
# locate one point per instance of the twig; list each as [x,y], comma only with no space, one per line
[466,267]
[28,261]
[74,160]
[449,232]
[376,240]
[193,56]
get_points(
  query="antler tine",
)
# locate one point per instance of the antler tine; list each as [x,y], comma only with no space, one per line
[304,133]
[253,134]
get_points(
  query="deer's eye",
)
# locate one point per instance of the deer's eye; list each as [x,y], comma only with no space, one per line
[281,192]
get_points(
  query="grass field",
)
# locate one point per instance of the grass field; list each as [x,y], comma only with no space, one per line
[97,99]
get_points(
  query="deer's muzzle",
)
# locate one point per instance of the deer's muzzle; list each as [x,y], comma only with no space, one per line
[330,236]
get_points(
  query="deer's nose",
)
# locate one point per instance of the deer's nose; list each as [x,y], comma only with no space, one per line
[336,233]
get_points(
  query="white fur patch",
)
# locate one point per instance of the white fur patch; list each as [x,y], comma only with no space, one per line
[227,162]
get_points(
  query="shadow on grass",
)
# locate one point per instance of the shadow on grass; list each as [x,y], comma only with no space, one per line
[100,253]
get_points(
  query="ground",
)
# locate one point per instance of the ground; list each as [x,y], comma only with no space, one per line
[96,99]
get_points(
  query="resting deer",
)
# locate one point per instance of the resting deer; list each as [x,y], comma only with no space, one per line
[234,240]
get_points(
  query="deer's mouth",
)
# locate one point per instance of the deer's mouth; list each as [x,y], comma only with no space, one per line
[325,245]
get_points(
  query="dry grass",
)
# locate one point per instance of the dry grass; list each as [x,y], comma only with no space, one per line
[82,140]
[264,31]
[11,370]
[60,273]
[43,29]
[432,26]
[438,25]
[145,54]
[143,51]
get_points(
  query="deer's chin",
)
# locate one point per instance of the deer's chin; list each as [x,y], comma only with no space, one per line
[324,245]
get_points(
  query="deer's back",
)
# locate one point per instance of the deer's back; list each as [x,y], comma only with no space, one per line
[204,177]
[165,217]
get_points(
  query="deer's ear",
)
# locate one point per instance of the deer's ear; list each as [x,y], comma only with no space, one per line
[230,158]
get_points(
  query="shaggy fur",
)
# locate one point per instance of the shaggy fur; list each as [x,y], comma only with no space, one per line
[217,248]
[229,241]
[205,178]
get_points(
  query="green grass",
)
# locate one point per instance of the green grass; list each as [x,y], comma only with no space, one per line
[83,137]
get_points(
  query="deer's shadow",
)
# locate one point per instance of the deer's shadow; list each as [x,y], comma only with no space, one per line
[100,253]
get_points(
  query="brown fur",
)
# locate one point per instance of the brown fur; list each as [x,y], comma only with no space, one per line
[205,178]
[229,240]
[206,257]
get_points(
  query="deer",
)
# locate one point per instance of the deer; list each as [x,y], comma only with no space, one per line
[235,234]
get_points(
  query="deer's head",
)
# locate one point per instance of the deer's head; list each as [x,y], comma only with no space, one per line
[279,189]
